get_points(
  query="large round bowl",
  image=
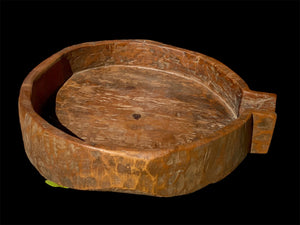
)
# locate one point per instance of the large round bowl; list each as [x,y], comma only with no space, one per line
[141,117]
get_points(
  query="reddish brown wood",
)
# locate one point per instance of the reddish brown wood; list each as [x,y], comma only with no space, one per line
[141,117]
[138,107]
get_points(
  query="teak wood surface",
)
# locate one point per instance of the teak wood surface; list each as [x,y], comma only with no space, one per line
[140,117]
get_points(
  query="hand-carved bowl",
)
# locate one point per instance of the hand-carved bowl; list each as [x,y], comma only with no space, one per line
[140,117]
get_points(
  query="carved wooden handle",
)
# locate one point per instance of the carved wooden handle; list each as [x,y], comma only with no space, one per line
[262,106]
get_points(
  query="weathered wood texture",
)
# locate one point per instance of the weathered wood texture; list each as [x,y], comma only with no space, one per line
[140,117]
[98,105]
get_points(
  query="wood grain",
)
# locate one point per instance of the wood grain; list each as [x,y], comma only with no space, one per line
[98,105]
[262,106]
[140,117]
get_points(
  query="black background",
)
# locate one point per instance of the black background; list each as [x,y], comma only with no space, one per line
[258,40]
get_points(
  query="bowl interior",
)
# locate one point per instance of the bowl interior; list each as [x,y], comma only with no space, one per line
[137,94]
[138,108]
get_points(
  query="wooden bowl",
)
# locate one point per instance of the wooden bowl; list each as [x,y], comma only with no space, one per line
[140,117]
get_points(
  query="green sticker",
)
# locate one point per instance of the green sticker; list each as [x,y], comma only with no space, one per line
[52,184]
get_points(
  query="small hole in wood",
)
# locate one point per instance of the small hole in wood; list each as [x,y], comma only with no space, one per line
[136,116]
